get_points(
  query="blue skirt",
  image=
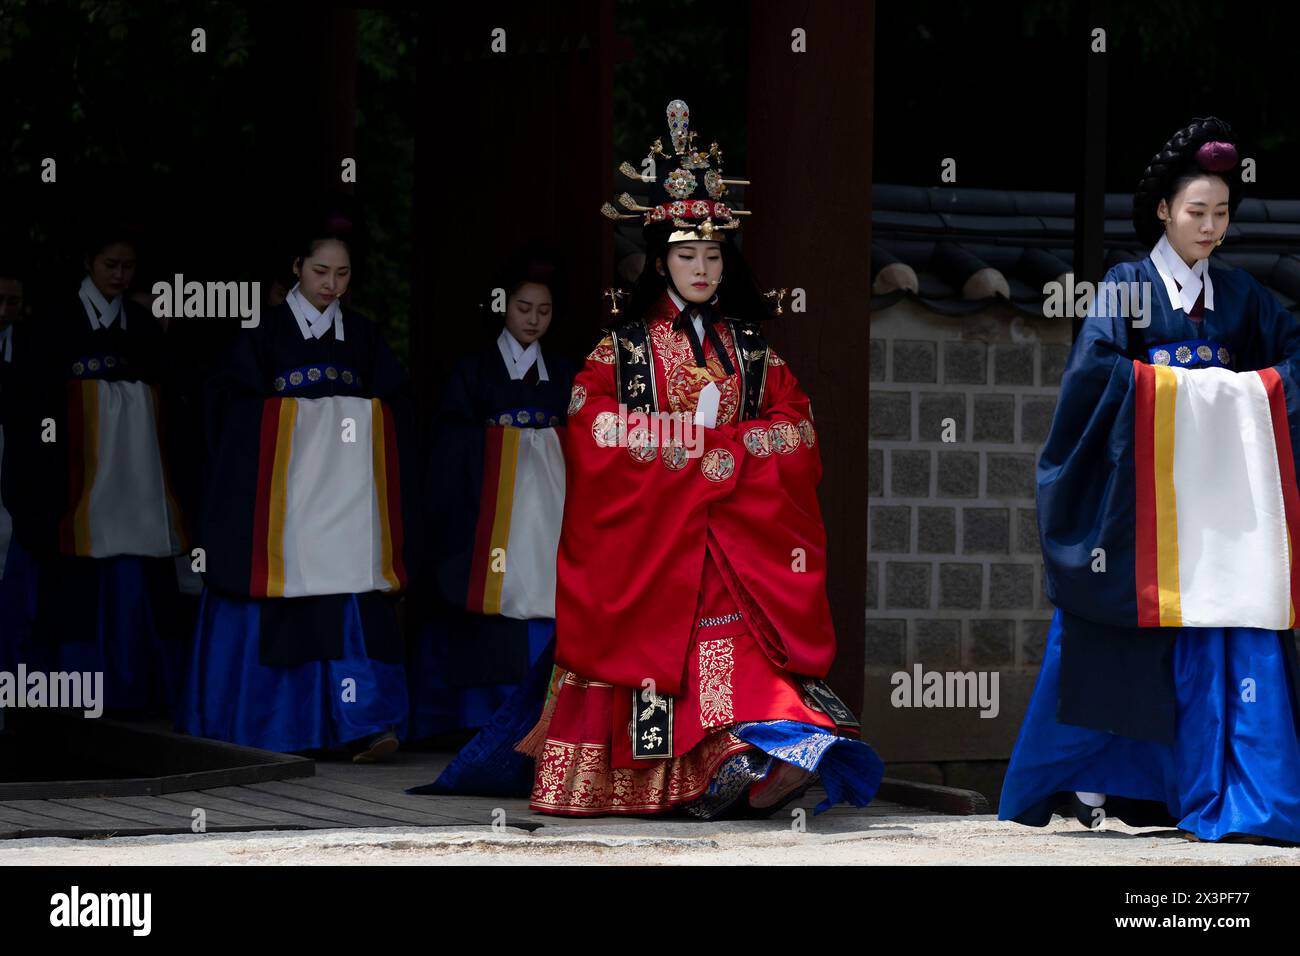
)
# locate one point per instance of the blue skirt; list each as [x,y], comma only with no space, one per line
[18,611]
[439,708]
[231,695]
[1234,765]
[142,671]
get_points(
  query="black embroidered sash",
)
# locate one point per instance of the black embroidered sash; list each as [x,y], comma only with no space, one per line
[634,369]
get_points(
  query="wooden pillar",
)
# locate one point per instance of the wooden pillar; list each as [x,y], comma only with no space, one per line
[1090,197]
[810,138]
[513,147]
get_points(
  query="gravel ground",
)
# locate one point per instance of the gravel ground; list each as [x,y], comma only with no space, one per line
[919,840]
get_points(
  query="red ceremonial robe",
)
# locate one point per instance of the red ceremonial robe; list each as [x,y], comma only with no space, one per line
[653,544]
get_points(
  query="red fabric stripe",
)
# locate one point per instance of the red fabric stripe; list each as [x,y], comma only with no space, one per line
[76,468]
[1286,467]
[262,502]
[391,466]
[487,510]
[1146,563]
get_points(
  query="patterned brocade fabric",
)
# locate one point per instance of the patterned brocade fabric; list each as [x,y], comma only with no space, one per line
[576,778]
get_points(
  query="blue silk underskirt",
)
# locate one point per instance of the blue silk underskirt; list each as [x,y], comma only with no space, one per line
[488,765]
[231,695]
[142,671]
[439,708]
[849,769]
[1234,766]
[18,611]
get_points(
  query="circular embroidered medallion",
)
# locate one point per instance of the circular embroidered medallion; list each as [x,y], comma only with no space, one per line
[1223,355]
[577,398]
[1161,357]
[757,442]
[608,430]
[784,437]
[78,368]
[331,373]
[313,374]
[279,383]
[1183,354]
[1204,353]
[674,457]
[523,417]
[93,365]
[505,418]
[806,432]
[639,445]
[718,465]
[295,378]
[685,381]
[555,420]
[110,361]
[347,377]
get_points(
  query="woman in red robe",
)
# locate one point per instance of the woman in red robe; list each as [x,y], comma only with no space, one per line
[692,623]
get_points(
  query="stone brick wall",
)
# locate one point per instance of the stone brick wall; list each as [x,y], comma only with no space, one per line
[955,576]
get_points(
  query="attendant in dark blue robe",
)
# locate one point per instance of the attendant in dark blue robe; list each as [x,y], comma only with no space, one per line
[17,568]
[100,607]
[310,670]
[1167,689]
[467,664]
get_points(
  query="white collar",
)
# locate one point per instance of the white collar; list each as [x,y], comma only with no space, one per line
[7,343]
[519,359]
[99,310]
[1175,273]
[681,307]
[312,322]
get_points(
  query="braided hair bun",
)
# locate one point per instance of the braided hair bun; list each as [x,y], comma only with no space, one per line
[1205,147]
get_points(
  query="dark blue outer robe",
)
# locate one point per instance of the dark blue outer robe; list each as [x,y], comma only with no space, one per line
[1116,676]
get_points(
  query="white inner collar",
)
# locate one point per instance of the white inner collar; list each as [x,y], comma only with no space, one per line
[1175,273]
[695,319]
[99,310]
[312,322]
[519,359]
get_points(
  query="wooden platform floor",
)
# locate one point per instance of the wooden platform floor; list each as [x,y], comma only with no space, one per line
[341,795]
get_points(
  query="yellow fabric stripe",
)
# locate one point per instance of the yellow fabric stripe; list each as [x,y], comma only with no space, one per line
[1290,557]
[1171,609]
[379,464]
[279,496]
[501,524]
[89,461]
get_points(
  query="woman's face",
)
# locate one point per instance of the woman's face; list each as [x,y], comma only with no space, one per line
[112,269]
[324,275]
[528,313]
[1199,217]
[695,268]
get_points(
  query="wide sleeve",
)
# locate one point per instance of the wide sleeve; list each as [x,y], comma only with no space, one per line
[1085,475]
[233,399]
[632,543]
[453,483]
[770,534]
[1279,340]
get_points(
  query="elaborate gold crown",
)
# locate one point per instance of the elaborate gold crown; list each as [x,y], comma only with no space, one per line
[693,203]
